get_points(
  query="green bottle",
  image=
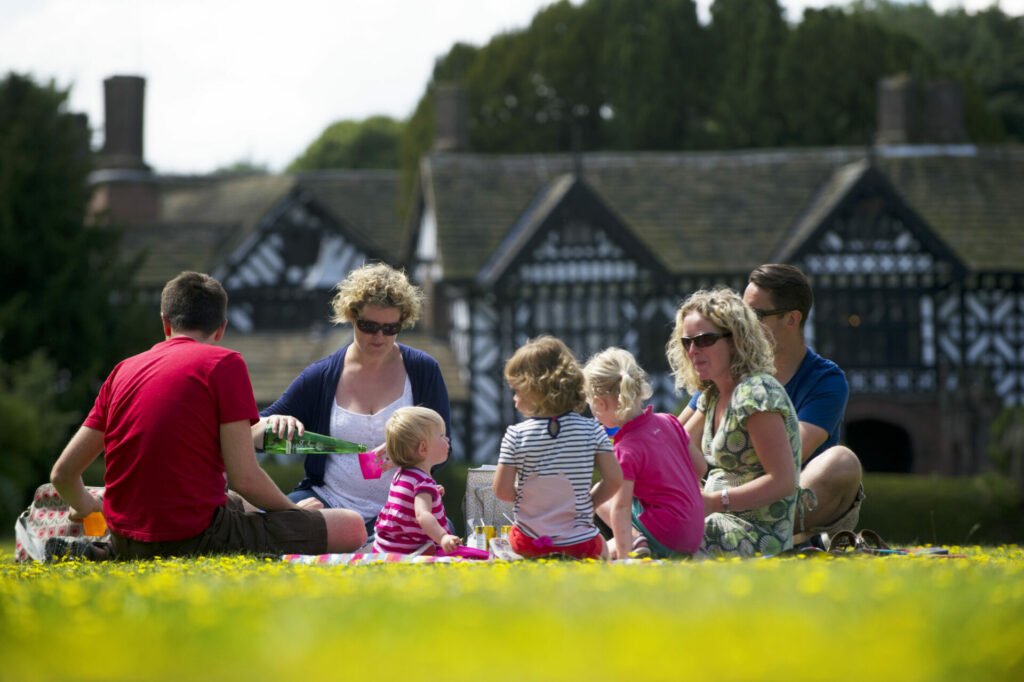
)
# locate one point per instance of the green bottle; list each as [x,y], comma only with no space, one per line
[309,443]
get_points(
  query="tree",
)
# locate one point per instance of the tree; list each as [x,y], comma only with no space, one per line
[371,143]
[984,52]
[68,311]
[653,67]
[829,70]
[747,37]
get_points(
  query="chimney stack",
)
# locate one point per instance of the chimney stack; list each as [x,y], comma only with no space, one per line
[123,100]
[451,127]
[911,114]
[124,189]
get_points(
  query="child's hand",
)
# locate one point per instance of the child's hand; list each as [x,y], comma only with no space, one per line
[310,503]
[381,453]
[440,490]
[450,543]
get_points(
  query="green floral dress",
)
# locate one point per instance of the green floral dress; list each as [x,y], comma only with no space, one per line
[732,461]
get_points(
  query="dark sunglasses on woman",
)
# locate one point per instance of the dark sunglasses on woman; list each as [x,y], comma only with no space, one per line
[371,327]
[703,340]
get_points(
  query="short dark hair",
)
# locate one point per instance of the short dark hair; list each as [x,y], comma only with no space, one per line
[193,301]
[788,285]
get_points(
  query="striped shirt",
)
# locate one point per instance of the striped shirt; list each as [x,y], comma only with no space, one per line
[544,450]
[397,529]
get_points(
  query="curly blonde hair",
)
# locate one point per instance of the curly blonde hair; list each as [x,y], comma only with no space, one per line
[614,372]
[405,429]
[376,284]
[545,370]
[722,307]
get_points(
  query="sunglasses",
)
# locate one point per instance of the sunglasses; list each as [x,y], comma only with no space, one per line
[371,327]
[761,314]
[703,340]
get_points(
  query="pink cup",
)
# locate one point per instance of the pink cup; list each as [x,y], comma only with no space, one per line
[369,465]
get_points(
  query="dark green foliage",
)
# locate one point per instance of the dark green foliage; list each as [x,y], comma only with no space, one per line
[983,51]
[829,73]
[32,428]
[747,37]
[373,143]
[67,313]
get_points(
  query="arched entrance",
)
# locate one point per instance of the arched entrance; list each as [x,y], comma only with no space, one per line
[881,446]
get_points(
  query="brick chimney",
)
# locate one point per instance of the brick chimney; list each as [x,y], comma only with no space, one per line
[451,121]
[124,189]
[909,113]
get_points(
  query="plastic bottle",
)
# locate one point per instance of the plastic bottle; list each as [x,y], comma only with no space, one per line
[309,443]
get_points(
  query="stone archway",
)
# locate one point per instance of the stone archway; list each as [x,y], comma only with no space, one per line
[883,447]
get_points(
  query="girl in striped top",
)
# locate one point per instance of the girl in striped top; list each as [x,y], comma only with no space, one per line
[414,513]
[546,463]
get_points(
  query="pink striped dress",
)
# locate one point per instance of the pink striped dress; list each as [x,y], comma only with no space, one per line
[396,528]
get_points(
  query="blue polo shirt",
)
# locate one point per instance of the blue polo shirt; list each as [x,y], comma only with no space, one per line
[819,392]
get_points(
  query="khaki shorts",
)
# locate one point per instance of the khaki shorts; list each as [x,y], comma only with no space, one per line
[847,521]
[236,531]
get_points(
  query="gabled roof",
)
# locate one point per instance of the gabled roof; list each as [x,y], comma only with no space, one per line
[563,196]
[847,186]
[202,220]
[974,202]
[364,203]
[714,212]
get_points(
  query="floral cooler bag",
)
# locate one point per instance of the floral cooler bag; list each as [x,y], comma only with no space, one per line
[45,518]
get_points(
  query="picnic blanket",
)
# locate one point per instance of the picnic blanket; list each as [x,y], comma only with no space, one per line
[45,518]
[363,558]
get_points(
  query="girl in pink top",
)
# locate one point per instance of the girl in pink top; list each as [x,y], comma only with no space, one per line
[658,510]
[414,513]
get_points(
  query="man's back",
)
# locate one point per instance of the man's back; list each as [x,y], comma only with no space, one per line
[160,412]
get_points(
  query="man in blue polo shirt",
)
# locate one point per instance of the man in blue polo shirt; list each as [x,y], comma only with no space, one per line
[781,297]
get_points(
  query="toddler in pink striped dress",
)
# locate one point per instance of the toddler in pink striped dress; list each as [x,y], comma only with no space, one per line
[414,513]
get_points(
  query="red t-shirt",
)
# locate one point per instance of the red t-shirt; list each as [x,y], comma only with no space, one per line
[160,412]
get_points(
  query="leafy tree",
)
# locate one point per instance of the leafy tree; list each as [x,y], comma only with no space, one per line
[829,70]
[32,428]
[68,312]
[747,37]
[983,51]
[242,167]
[653,67]
[372,143]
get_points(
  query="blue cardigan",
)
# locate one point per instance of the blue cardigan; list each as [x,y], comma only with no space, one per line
[311,396]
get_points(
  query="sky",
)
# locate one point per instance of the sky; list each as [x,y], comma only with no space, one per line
[229,81]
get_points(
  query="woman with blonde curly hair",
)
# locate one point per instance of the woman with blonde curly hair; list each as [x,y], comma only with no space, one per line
[546,463]
[745,423]
[351,393]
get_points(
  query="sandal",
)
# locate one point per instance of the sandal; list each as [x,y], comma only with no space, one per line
[843,542]
[869,539]
[640,550]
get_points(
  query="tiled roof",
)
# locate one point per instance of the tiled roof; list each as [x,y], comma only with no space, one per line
[708,212]
[365,203]
[276,358]
[974,203]
[203,219]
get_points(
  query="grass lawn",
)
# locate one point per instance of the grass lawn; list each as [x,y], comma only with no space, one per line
[867,618]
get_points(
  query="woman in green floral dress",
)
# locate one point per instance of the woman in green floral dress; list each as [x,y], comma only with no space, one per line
[745,423]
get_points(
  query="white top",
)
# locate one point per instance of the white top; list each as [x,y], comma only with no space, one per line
[344,485]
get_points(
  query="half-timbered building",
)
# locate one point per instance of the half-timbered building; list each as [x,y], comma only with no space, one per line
[916,254]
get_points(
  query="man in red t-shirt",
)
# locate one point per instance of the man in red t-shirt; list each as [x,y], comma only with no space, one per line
[174,424]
